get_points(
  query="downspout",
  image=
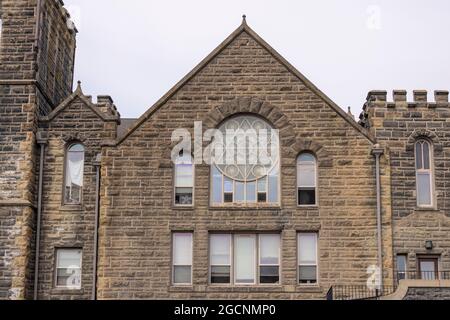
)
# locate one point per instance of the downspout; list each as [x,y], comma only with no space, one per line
[377,151]
[42,143]
[97,165]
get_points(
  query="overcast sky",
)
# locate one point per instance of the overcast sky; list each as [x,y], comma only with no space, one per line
[136,50]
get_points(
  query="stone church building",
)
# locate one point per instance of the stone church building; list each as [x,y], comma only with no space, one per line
[93,207]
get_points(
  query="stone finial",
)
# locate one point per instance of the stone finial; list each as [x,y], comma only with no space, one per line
[78,89]
[349,112]
[420,95]
[399,95]
[244,19]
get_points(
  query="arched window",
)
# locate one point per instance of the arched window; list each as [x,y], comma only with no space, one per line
[247,170]
[73,186]
[424,173]
[306,179]
[184,180]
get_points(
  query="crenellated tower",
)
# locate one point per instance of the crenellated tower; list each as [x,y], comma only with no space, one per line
[37,48]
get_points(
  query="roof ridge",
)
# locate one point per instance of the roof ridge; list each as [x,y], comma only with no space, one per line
[244,27]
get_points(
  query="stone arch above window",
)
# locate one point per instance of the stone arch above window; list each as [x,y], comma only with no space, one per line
[423,134]
[252,105]
[323,157]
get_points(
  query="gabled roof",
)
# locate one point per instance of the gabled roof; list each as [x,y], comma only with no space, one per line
[245,28]
[78,93]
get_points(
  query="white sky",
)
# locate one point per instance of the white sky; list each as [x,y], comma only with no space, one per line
[136,50]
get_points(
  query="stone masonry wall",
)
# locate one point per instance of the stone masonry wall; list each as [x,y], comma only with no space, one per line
[62,225]
[397,125]
[20,103]
[137,215]
[427,294]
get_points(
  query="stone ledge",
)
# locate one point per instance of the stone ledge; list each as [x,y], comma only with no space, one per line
[405,285]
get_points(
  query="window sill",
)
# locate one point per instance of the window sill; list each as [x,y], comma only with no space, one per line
[183,208]
[426,209]
[244,207]
[67,291]
[309,288]
[71,207]
[306,206]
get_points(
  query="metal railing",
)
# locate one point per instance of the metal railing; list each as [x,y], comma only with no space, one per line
[358,292]
[422,275]
[362,292]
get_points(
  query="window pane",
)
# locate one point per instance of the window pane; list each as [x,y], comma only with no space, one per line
[240,192]
[307,274]
[182,249]
[423,188]
[228,197]
[182,274]
[251,191]
[183,196]
[244,255]
[68,277]
[426,155]
[228,185]
[269,249]
[269,274]
[220,274]
[262,197]
[306,175]
[184,175]
[306,196]
[69,258]
[75,166]
[220,249]
[262,185]
[273,186]
[401,267]
[428,269]
[419,155]
[306,157]
[307,248]
[217,185]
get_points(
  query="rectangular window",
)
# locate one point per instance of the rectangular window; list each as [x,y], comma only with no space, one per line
[402,263]
[306,180]
[184,184]
[182,258]
[269,258]
[428,268]
[307,258]
[68,268]
[245,258]
[220,257]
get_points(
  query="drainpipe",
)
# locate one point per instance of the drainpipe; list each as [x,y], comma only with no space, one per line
[42,143]
[97,165]
[377,151]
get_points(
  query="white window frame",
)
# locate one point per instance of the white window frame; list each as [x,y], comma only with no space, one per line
[174,234]
[175,184]
[257,281]
[316,180]
[230,253]
[269,265]
[57,251]
[405,272]
[308,264]
[429,171]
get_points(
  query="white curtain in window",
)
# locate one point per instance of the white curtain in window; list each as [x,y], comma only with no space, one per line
[69,258]
[307,248]
[245,258]
[220,249]
[182,249]
[75,166]
[269,249]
